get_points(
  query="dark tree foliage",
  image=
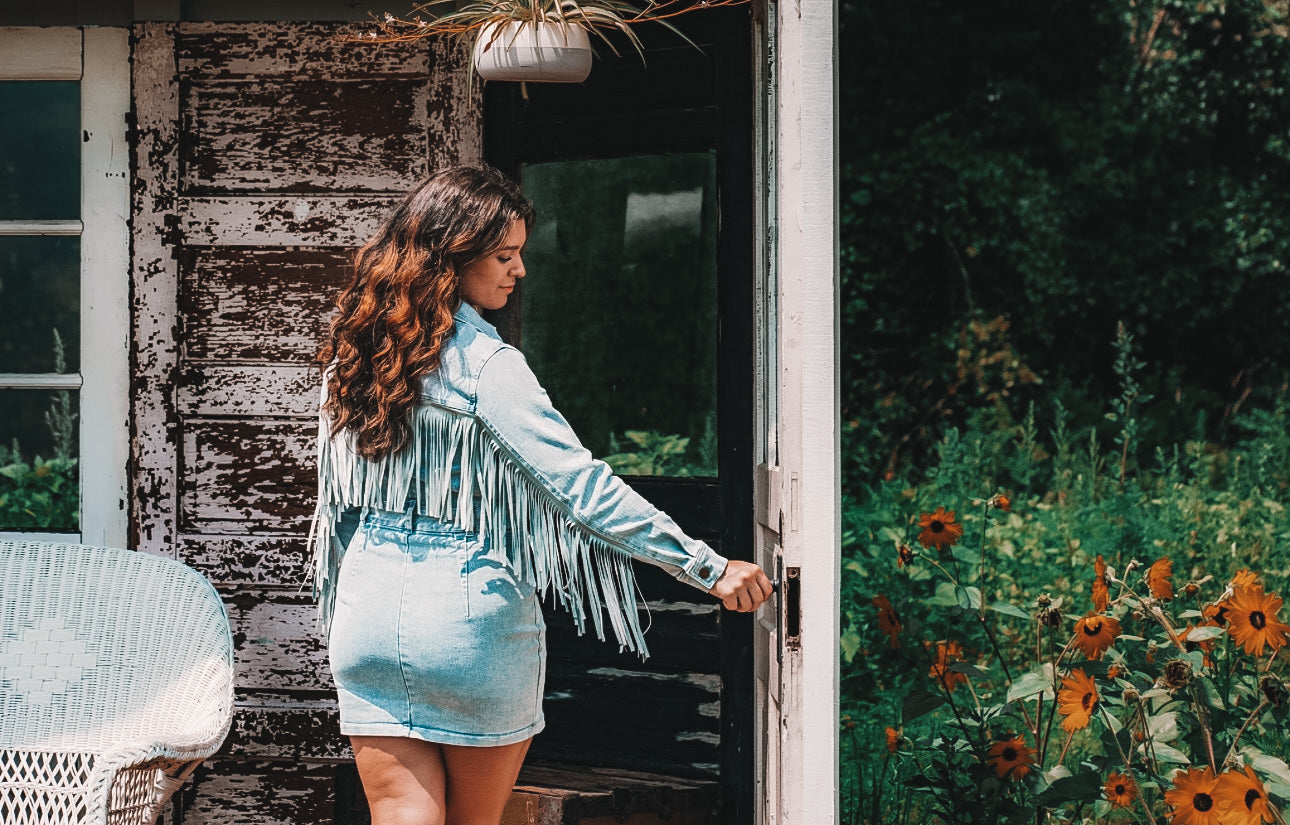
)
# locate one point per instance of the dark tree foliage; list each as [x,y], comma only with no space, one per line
[1017,177]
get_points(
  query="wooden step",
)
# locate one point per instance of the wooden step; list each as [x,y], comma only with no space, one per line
[576,795]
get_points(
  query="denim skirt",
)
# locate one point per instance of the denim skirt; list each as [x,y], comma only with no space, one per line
[432,639]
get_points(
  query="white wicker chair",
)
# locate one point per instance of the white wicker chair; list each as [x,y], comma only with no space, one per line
[116,681]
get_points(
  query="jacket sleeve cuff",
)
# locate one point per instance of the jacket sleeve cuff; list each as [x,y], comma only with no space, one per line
[704,569]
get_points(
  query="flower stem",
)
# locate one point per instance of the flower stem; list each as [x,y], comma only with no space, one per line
[1236,739]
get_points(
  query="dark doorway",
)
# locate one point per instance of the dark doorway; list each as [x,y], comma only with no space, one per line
[638,319]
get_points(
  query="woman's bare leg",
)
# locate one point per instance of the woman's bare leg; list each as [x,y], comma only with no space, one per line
[403,779]
[480,781]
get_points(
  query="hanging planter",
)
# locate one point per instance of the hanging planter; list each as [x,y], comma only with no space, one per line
[545,41]
[544,52]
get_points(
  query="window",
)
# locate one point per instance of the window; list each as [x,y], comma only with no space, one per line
[64,283]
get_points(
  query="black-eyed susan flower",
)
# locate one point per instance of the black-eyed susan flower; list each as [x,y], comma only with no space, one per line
[1077,700]
[946,654]
[1191,799]
[1011,758]
[1252,620]
[1241,799]
[1101,585]
[1160,578]
[1120,789]
[888,622]
[1094,634]
[893,740]
[940,530]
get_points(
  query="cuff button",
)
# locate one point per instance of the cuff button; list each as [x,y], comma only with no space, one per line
[705,571]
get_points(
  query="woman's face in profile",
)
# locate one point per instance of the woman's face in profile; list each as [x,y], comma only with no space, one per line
[488,282]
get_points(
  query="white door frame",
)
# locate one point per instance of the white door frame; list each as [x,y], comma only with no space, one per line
[799,488]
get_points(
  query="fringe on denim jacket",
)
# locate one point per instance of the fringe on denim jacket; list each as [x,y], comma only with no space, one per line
[489,454]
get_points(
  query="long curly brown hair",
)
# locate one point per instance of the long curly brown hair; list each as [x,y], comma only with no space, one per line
[396,313]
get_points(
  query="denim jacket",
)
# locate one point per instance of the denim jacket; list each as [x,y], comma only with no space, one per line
[490,455]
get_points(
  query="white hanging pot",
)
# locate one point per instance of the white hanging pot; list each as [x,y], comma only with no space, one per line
[545,52]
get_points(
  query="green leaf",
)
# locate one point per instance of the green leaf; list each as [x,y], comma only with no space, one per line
[1269,765]
[850,645]
[1163,727]
[1032,683]
[1168,753]
[1201,634]
[1009,610]
[919,702]
[968,598]
[1082,787]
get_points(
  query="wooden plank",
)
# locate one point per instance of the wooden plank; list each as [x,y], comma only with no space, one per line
[247,476]
[323,136]
[234,792]
[294,50]
[279,646]
[309,220]
[32,53]
[247,560]
[259,304]
[154,281]
[254,390]
[270,726]
[455,107]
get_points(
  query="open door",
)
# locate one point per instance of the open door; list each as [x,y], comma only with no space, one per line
[797,480]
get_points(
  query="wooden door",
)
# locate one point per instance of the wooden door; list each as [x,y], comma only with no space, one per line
[265,153]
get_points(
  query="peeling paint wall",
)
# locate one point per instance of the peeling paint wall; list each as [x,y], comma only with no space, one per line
[264,154]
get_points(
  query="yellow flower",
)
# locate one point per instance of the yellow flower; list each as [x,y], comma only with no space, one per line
[1101,588]
[1252,620]
[939,529]
[1094,634]
[940,670]
[888,621]
[1077,700]
[1192,799]
[1159,577]
[1120,789]
[1010,758]
[1241,799]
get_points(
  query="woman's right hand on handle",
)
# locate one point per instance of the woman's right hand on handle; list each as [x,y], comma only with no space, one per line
[743,587]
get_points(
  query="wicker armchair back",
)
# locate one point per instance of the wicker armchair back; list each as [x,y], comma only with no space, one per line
[116,681]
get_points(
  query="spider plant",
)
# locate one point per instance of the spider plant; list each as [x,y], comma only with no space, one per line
[599,17]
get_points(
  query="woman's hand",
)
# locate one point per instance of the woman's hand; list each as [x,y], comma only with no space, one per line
[743,587]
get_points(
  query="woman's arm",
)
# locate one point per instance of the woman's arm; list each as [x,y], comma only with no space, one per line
[515,408]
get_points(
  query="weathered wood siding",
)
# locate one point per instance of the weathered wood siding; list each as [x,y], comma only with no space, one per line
[264,155]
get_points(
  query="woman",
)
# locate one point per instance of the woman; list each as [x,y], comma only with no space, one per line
[452,496]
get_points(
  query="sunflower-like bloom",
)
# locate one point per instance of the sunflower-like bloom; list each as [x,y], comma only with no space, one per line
[1095,633]
[1101,586]
[1120,789]
[1077,700]
[946,654]
[1252,620]
[1241,798]
[1244,578]
[893,740]
[1160,578]
[940,530]
[1192,798]
[1011,758]
[888,621]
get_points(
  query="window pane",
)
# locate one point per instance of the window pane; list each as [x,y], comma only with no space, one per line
[39,487]
[40,303]
[619,314]
[40,150]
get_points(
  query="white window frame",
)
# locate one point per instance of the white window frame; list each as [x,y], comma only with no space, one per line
[99,59]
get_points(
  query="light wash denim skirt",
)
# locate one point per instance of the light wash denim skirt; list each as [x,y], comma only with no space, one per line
[432,639]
